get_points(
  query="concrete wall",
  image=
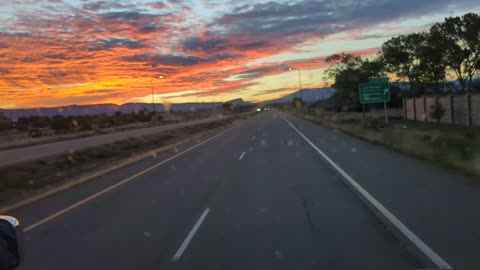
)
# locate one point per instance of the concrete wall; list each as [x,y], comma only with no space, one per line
[475,101]
[445,101]
[460,111]
[456,106]
[429,101]
[419,109]
[409,108]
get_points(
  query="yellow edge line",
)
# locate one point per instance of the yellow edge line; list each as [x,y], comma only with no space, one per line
[84,201]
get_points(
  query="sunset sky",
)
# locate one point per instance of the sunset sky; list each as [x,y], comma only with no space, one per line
[58,52]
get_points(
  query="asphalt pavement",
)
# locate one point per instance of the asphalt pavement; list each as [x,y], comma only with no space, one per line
[22,154]
[256,196]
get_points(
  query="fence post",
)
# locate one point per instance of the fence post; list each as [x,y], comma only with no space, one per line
[404,108]
[425,109]
[469,109]
[452,108]
[414,110]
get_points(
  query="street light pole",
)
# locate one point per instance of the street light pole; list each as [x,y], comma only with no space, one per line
[299,79]
[153,99]
[300,84]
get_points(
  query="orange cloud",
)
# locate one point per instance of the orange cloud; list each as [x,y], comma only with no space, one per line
[103,51]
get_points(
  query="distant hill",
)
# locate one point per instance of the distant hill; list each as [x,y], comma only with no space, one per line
[108,109]
[309,95]
[239,102]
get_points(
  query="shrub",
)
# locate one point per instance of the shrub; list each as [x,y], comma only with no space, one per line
[437,111]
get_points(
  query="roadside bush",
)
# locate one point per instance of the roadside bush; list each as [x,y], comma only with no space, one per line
[374,124]
[470,134]
[437,111]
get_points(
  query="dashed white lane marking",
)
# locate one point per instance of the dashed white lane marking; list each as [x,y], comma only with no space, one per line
[190,235]
[241,156]
[422,246]
[253,138]
[124,181]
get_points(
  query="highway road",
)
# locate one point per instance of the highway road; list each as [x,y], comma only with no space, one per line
[259,195]
[18,155]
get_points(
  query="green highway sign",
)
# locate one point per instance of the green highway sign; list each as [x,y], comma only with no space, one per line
[374,92]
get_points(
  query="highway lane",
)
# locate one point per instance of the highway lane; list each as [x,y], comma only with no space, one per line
[18,155]
[284,208]
[273,203]
[134,226]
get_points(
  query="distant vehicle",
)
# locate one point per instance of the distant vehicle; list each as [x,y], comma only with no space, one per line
[263,109]
[34,133]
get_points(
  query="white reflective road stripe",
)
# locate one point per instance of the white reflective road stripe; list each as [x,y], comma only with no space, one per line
[190,235]
[426,250]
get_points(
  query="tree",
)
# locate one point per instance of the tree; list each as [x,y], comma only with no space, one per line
[22,124]
[227,107]
[341,62]
[415,58]
[348,72]
[396,96]
[84,122]
[458,39]
[58,123]
[119,118]
[5,123]
[39,121]
[399,54]
[432,63]
[104,120]
[475,85]
[437,111]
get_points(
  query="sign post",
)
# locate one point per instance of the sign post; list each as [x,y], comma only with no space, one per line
[363,112]
[386,116]
[298,103]
[375,91]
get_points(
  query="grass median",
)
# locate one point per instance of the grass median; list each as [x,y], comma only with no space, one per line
[21,181]
[452,147]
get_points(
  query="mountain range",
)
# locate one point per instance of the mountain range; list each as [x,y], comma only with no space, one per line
[310,95]
[110,109]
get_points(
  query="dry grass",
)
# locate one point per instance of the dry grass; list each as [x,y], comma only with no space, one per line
[452,147]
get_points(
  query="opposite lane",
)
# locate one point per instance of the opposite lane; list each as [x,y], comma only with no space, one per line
[18,155]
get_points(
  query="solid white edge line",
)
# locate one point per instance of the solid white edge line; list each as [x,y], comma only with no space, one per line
[422,246]
[241,156]
[91,197]
[190,235]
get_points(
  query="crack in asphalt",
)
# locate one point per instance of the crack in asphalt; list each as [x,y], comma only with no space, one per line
[308,216]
